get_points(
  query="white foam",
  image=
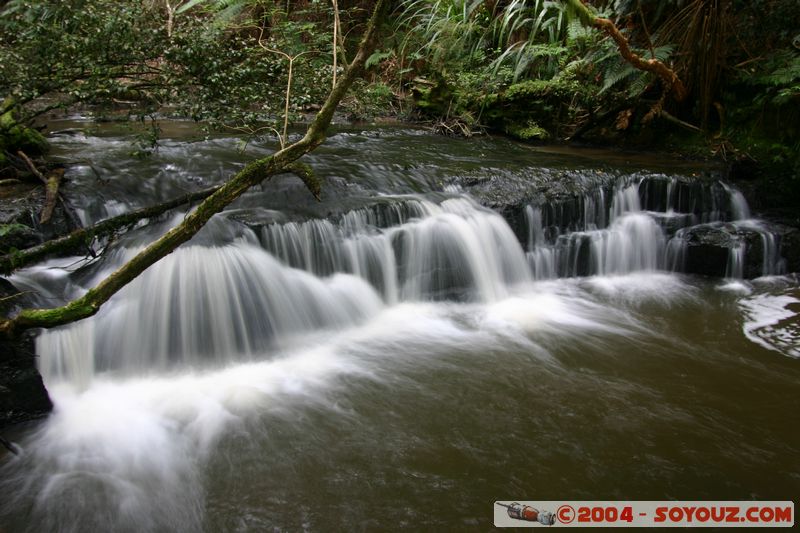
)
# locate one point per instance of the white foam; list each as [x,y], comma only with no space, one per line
[771,323]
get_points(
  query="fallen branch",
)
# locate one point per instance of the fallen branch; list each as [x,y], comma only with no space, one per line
[31,166]
[51,194]
[252,174]
[675,120]
[83,237]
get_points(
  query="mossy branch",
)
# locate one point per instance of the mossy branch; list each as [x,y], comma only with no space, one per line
[83,237]
[252,174]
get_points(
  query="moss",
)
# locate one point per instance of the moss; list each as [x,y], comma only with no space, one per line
[7,229]
[530,131]
[433,98]
[528,89]
[560,87]
[15,136]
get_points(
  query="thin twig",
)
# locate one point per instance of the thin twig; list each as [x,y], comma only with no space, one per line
[16,295]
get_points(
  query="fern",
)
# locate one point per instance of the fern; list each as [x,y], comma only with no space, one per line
[785,75]
[377,57]
[617,70]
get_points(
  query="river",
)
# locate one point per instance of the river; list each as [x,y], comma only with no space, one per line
[399,356]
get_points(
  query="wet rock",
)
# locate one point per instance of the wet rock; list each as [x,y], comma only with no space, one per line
[21,205]
[790,246]
[22,392]
[17,237]
[710,248]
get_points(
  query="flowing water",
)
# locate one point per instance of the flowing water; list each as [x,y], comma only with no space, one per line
[399,356]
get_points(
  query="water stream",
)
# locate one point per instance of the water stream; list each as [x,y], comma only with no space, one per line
[400,356]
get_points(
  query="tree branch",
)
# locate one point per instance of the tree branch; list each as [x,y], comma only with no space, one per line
[84,236]
[252,174]
[655,66]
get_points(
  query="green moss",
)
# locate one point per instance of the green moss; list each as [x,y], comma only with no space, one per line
[560,87]
[529,131]
[528,89]
[15,136]
[73,311]
[7,229]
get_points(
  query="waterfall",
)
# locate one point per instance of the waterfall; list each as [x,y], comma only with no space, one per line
[739,208]
[632,243]
[298,364]
[212,305]
[455,249]
[650,220]
[200,306]
[735,266]
[626,200]
[207,305]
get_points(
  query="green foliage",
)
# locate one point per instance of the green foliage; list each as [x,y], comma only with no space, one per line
[378,56]
[530,131]
[553,106]
[778,77]
[617,72]
[8,229]
[15,136]
[369,100]
[83,51]
[765,111]
[57,53]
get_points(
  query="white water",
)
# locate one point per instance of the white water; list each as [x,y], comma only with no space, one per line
[210,306]
[636,239]
[224,342]
[134,448]
[770,321]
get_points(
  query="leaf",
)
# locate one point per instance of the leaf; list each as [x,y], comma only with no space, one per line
[189,5]
[377,57]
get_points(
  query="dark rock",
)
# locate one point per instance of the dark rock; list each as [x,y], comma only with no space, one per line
[790,246]
[22,392]
[18,237]
[22,205]
[709,249]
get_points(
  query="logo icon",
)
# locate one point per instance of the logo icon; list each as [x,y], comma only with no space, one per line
[527,513]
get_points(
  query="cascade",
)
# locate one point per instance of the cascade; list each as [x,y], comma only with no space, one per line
[211,305]
[651,221]
[391,345]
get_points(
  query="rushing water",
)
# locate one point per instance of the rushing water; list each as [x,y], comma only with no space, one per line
[397,356]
